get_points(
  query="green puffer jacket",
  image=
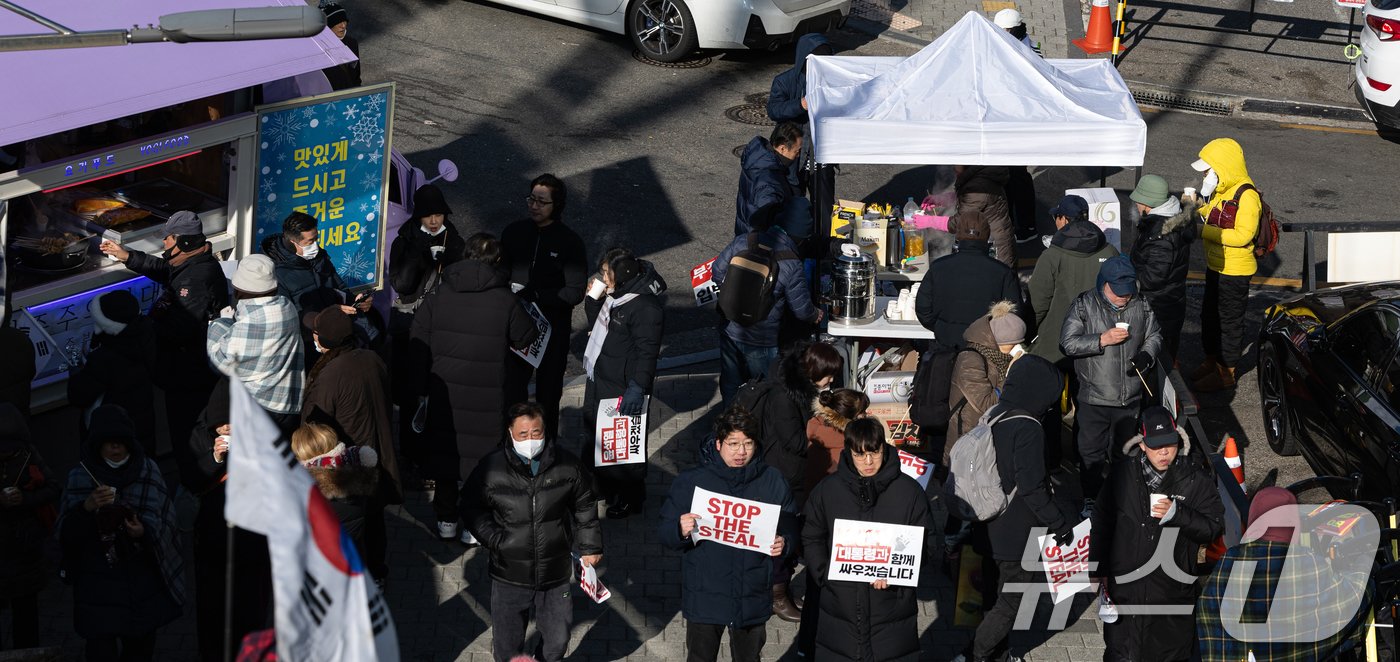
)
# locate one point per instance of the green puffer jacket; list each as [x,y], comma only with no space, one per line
[1069,267]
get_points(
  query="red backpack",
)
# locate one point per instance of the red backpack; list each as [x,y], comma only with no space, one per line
[1265,236]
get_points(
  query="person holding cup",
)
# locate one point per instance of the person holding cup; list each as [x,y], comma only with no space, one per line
[1160,484]
[1113,338]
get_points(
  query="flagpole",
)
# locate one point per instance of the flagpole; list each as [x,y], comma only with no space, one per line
[228,592]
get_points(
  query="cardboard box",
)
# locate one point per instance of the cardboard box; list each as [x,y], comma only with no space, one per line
[900,430]
[843,212]
[890,386]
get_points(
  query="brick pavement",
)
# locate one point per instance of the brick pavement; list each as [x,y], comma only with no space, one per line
[925,20]
[440,592]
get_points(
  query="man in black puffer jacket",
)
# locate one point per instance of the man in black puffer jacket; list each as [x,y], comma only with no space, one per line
[876,621]
[531,506]
[722,585]
[1161,253]
[1031,388]
[193,291]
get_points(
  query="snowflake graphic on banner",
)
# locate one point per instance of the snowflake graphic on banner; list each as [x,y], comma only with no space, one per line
[270,210]
[267,186]
[281,157]
[376,157]
[308,112]
[351,112]
[282,129]
[358,262]
[370,182]
[364,207]
[365,130]
[374,103]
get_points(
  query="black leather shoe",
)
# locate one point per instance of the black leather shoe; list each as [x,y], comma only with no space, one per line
[620,511]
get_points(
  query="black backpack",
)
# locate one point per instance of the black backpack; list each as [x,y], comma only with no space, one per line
[746,295]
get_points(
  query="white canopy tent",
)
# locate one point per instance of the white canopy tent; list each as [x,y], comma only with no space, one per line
[975,96]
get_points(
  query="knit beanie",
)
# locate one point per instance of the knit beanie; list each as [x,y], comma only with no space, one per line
[335,14]
[428,200]
[113,311]
[256,274]
[111,423]
[1007,327]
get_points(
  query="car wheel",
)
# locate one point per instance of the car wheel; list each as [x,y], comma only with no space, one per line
[1273,402]
[662,29]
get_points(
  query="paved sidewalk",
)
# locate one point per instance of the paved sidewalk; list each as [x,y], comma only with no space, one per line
[439,592]
[925,20]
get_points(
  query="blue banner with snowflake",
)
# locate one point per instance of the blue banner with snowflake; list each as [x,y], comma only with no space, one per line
[328,157]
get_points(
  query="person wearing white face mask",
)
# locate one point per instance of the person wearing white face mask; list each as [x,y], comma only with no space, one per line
[530,504]
[117,530]
[1231,214]
[305,274]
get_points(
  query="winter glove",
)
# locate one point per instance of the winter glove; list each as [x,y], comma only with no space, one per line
[1065,536]
[633,399]
[1141,362]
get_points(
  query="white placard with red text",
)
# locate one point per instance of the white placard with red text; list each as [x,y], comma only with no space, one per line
[915,468]
[1067,568]
[869,551]
[588,582]
[619,439]
[535,352]
[741,523]
[702,282]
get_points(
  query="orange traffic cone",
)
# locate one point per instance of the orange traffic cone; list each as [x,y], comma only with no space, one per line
[1232,460]
[1099,37]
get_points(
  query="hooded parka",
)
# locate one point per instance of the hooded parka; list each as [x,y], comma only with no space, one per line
[412,269]
[858,622]
[121,370]
[466,329]
[351,393]
[1032,387]
[783,407]
[983,189]
[959,288]
[1106,375]
[789,88]
[532,523]
[1161,255]
[633,343]
[1230,251]
[723,585]
[978,374]
[763,181]
[826,438]
[1069,267]
[1125,538]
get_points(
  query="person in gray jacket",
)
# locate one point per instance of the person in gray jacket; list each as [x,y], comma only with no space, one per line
[1113,338]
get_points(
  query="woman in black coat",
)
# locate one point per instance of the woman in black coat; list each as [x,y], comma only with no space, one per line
[620,360]
[462,336]
[857,620]
[425,246]
[121,366]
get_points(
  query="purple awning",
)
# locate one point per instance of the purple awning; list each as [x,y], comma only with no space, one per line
[49,91]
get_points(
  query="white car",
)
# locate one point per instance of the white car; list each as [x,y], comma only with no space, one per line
[670,30]
[1378,68]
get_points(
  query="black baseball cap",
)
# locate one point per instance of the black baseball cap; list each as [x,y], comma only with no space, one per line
[1159,428]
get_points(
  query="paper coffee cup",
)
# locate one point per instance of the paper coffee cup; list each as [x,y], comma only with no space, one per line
[1122,325]
[11,491]
[1152,500]
[596,290]
[1188,192]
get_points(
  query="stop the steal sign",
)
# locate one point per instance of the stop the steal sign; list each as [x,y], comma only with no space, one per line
[727,520]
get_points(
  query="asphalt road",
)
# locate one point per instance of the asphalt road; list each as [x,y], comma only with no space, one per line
[648,152]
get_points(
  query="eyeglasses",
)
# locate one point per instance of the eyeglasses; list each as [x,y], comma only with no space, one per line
[867,457]
[734,446]
[532,201]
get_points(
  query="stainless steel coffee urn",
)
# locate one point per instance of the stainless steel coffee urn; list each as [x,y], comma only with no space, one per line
[853,289]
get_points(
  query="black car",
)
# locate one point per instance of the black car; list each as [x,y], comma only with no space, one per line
[1328,377]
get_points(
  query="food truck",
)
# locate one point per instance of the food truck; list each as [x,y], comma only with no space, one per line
[241,133]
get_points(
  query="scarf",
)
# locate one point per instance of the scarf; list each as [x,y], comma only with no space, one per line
[599,334]
[180,257]
[1150,474]
[993,356]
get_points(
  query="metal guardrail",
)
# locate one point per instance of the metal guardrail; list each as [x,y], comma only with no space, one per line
[1309,228]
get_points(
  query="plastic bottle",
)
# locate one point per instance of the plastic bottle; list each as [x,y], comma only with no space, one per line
[910,208]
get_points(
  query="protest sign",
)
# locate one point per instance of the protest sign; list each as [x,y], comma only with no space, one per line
[915,468]
[727,520]
[535,352]
[869,551]
[1067,568]
[702,282]
[618,438]
[588,581]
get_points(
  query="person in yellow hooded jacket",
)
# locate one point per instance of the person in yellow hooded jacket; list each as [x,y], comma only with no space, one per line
[1231,213]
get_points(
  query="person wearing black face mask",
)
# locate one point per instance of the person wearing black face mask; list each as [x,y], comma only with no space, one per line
[122,364]
[1112,335]
[193,291]
[763,178]
[530,504]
